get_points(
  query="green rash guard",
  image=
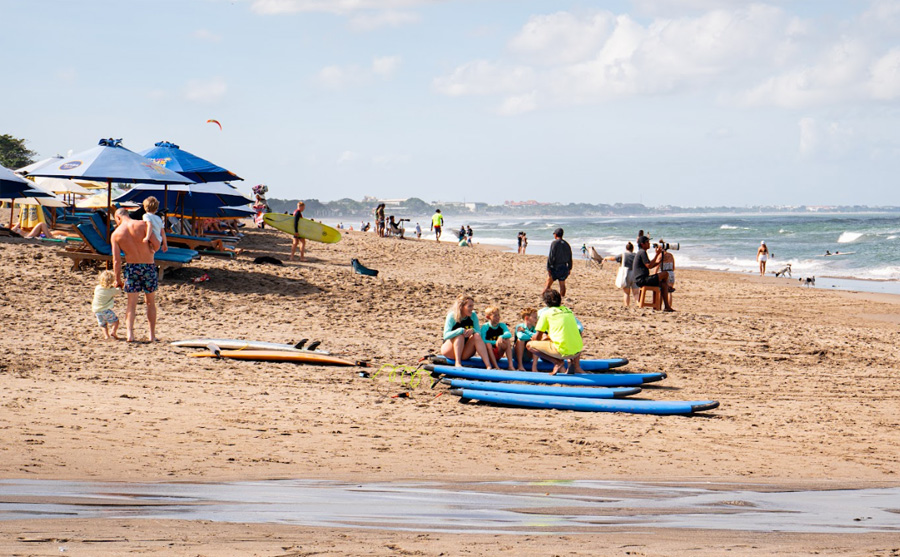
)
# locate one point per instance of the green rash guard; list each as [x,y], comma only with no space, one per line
[523,333]
[491,337]
[560,324]
[453,329]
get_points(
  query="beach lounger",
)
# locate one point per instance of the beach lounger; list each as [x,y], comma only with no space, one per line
[95,248]
[207,246]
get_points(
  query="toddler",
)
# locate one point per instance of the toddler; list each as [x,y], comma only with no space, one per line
[497,337]
[155,229]
[104,297]
[524,332]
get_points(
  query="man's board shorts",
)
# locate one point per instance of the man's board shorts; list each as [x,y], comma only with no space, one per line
[651,280]
[437,228]
[559,272]
[106,317]
[549,348]
[140,277]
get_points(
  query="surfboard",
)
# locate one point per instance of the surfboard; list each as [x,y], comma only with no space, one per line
[237,344]
[837,254]
[584,392]
[315,231]
[584,380]
[631,406]
[586,365]
[299,357]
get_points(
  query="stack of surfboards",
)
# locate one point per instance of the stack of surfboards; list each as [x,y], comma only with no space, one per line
[587,392]
[261,351]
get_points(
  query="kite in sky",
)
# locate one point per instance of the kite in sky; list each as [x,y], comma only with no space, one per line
[216,122]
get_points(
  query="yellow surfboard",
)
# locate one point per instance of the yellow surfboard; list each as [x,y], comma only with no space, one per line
[306,228]
[277,356]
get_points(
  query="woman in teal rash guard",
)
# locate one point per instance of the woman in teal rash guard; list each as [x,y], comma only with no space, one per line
[462,338]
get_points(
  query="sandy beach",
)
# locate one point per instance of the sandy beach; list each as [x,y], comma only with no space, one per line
[807,380]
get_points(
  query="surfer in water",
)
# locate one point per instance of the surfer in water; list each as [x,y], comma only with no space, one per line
[298,214]
[462,338]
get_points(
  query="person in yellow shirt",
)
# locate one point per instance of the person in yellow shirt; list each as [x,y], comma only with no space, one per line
[557,337]
[437,222]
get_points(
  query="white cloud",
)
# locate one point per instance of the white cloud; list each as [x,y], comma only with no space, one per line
[735,53]
[347,157]
[809,137]
[341,77]
[206,35]
[884,82]
[518,104]
[481,77]
[369,21]
[364,14]
[205,90]
[385,66]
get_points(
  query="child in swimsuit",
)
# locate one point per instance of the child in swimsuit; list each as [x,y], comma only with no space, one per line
[497,337]
[104,298]
[155,229]
[524,332]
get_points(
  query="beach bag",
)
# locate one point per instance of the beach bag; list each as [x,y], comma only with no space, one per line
[622,275]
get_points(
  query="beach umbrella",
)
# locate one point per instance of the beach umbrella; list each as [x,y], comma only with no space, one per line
[26,170]
[187,198]
[187,164]
[99,200]
[13,187]
[61,185]
[110,162]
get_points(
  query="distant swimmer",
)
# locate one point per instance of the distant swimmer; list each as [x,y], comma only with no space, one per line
[827,252]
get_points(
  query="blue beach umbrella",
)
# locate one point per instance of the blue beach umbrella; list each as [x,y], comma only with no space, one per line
[187,164]
[13,186]
[111,162]
[187,198]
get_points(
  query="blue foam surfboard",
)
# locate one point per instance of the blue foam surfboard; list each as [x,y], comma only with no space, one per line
[586,365]
[551,390]
[631,406]
[584,379]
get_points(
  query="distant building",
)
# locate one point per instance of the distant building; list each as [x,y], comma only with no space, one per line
[470,206]
[529,203]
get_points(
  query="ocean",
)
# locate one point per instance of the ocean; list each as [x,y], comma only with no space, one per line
[868,243]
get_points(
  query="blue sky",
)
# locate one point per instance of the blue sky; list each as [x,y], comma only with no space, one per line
[685,102]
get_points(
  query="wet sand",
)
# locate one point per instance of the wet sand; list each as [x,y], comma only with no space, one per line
[807,381]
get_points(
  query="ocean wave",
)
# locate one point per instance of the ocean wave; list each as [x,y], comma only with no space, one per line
[728,227]
[891,237]
[848,237]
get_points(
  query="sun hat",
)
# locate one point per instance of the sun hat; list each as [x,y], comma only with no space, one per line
[762,243]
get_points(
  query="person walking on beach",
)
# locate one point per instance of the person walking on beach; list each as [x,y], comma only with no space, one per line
[297,240]
[379,220]
[762,254]
[418,231]
[437,222]
[641,270]
[559,262]
[138,275]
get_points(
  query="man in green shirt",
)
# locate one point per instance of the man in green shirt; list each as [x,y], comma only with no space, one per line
[437,222]
[557,338]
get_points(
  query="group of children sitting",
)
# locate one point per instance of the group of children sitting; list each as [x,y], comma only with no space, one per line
[553,333]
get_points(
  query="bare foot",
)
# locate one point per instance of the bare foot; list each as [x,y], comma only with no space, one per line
[556,369]
[520,369]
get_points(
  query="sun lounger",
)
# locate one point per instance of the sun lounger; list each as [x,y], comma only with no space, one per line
[208,246]
[95,248]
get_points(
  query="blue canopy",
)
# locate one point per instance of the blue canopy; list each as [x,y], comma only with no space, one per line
[189,165]
[13,186]
[193,198]
[111,162]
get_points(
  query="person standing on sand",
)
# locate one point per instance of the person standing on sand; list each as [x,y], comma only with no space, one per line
[297,240]
[762,254]
[139,271]
[437,222]
[559,262]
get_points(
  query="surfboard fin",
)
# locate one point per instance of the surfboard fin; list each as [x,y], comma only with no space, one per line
[214,348]
[437,379]
[313,345]
[299,345]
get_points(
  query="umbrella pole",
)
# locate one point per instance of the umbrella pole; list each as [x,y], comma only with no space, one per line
[166,208]
[12,209]
[108,208]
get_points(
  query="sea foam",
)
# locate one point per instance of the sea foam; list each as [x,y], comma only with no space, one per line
[848,237]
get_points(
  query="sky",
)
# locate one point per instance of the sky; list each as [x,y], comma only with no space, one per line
[661,102]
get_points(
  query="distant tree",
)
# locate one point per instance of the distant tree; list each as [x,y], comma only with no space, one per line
[14,153]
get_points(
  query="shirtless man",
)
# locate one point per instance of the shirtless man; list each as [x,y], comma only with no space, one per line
[139,271]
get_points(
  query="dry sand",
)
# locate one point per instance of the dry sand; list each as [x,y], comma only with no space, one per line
[807,380]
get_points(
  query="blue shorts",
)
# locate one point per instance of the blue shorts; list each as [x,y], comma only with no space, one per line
[106,317]
[140,277]
[560,272]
